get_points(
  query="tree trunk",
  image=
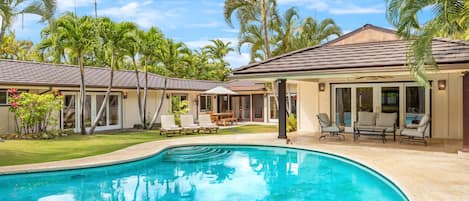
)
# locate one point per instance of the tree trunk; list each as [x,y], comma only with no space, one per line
[139,96]
[82,95]
[145,95]
[157,112]
[265,29]
[106,98]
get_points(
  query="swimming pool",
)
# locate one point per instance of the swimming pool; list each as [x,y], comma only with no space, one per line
[218,172]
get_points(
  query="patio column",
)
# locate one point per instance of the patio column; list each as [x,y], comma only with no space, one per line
[282,109]
[465,136]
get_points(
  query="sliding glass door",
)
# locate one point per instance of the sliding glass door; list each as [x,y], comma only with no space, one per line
[110,119]
[408,100]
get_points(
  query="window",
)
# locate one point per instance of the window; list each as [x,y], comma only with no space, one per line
[3,97]
[205,103]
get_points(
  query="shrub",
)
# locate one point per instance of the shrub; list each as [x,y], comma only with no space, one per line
[179,108]
[291,123]
[34,112]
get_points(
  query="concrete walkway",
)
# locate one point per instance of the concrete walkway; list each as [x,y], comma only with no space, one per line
[422,175]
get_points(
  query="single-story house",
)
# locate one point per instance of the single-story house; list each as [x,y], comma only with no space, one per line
[365,70]
[253,101]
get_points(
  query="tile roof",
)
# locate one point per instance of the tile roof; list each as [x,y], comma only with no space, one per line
[27,73]
[355,56]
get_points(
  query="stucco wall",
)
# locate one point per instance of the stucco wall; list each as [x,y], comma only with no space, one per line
[367,35]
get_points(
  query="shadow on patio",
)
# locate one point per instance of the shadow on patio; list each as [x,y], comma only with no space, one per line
[434,145]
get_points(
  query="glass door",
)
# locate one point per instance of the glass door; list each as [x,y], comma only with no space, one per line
[390,101]
[245,108]
[258,107]
[343,107]
[364,99]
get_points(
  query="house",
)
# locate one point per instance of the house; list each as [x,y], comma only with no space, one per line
[251,102]
[365,70]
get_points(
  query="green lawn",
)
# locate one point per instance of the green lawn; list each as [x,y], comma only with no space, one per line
[15,152]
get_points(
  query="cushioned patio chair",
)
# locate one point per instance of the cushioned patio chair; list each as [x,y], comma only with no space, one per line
[168,125]
[418,132]
[206,124]
[188,125]
[328,128]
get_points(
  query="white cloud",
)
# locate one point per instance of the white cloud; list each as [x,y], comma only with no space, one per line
[68,5]
[143,14]
[204,25]
[237,60]
[202,43]
[337,7]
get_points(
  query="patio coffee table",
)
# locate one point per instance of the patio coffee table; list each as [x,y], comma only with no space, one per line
[381,132]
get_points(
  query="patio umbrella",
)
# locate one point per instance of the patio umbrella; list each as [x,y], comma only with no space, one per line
[220,91]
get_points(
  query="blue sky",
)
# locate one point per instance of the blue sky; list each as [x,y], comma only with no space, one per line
[197,21]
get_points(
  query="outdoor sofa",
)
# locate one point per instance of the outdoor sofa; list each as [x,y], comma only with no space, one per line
[375,124]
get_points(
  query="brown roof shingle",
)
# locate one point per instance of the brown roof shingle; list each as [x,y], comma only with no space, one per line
[27,73]
[355,56]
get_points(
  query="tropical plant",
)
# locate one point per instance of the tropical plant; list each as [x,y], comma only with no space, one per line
[448,19]
[179,107]
[16,49]
[10,9]
[149,40]
[252,13]
[34,112]
[291,123]
[78,35]
[311,33]
[115,37]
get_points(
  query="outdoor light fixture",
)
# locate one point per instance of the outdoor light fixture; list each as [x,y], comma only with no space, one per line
[322,87]
[167,96]
[441,84]
[125,94]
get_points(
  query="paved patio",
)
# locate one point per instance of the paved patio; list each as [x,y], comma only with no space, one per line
[434,172]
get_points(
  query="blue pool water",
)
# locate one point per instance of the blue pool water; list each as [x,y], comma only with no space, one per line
[210,173]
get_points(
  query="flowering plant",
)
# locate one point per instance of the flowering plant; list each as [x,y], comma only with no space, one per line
[34,112]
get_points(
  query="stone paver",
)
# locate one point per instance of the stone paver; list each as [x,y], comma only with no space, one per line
[422,175]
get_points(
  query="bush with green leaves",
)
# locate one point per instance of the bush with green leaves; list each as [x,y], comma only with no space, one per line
[178,108]
[35,113]
[291,123]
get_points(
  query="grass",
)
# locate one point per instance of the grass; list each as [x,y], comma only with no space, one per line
[16,152]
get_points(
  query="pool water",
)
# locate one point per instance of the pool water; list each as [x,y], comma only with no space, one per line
[210,173]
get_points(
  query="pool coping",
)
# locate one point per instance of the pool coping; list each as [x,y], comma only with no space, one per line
[63,165]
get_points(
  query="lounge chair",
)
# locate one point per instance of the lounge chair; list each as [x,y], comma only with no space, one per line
[187,124]
[417,132]
[206,124]
[168,125]
[327,128]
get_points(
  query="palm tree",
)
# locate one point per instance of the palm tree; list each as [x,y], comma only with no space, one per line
[219,49]
[285,26]
[172,57]
[116,37]
[449,19]
[253,38]
[312,33]
[9,9]
[249,11]
[150,41]
[78,35]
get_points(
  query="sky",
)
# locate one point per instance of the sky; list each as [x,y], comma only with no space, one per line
[195,22]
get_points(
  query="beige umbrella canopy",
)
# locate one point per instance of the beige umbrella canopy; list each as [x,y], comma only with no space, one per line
[220,91]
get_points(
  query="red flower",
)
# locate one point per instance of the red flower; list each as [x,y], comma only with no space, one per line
[15,105]
[12,91]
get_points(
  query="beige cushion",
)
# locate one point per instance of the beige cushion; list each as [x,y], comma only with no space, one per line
[423,123]
[323,119]
[366,119]
[386,119]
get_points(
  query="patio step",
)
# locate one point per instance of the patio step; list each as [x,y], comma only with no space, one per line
[195,154]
